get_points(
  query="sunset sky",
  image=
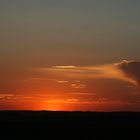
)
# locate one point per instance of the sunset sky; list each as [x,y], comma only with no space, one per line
[70,55]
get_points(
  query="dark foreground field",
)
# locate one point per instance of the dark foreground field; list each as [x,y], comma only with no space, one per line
[73,125]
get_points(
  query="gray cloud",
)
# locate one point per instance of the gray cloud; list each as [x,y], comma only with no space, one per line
[130,69]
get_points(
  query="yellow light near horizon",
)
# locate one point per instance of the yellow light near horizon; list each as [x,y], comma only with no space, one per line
[55,107]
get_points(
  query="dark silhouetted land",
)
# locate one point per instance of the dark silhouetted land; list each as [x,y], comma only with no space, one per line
[87,125]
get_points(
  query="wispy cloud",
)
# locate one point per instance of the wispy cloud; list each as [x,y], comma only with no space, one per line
[10,96]
[99,101]
[83,93]
[78,85]
[64,67]
[66,101]
[61,82]
[128,71]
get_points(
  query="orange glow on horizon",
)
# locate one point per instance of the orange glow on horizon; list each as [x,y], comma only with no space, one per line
[55,107]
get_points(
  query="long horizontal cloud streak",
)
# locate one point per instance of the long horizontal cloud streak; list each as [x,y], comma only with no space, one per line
[128,71]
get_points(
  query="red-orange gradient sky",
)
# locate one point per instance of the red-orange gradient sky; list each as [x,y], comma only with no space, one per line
[108,87]
[70,55]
